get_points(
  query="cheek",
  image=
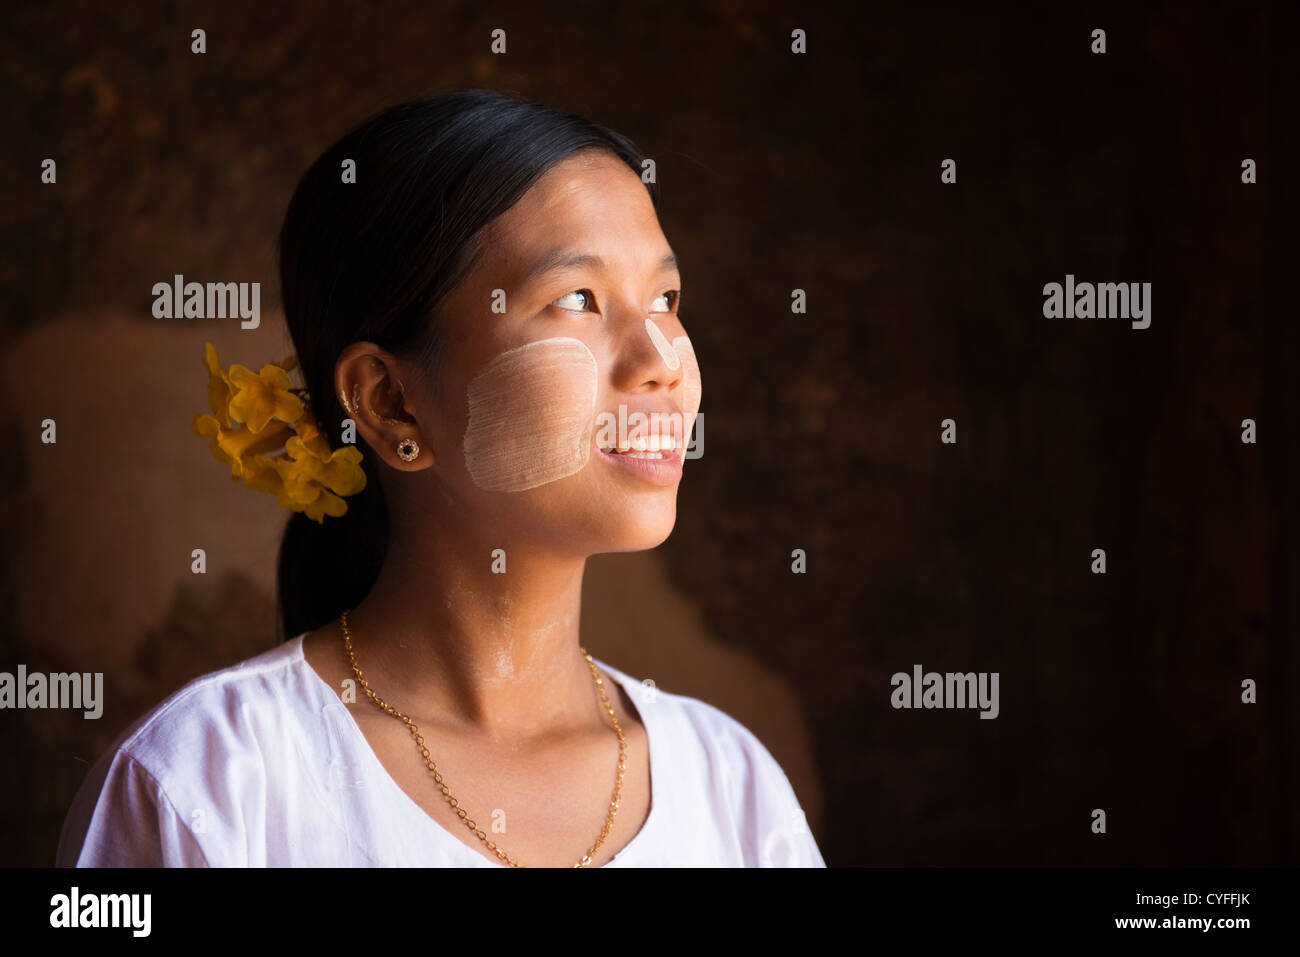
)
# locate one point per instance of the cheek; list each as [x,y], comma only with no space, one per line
[692,385]
[531,415]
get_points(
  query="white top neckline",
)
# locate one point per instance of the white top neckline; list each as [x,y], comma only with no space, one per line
[428,823]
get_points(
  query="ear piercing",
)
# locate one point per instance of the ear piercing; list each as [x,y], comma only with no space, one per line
[355,404]
[407,449]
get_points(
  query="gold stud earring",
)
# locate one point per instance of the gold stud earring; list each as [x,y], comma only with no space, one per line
[407,450]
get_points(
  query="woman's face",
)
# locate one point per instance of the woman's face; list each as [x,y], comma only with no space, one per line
[563,343]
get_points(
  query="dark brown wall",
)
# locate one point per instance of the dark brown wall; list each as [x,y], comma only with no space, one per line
[818,172]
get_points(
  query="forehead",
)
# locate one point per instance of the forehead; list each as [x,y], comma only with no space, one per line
[591,203]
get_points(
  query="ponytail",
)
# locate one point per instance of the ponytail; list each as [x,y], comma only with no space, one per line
[324,568]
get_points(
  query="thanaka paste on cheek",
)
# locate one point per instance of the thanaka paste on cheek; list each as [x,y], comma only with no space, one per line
[692,385]
[666,351]
[532,411]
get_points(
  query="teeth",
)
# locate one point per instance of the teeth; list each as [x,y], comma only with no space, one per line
[651,443]
[645,452]
[647,447]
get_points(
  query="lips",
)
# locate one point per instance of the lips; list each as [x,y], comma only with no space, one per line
[661,468]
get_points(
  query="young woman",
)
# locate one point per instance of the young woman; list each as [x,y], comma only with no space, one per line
[479,288]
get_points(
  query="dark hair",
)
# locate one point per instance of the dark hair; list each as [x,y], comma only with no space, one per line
[372,260]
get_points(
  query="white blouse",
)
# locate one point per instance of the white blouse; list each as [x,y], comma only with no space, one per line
[261,764]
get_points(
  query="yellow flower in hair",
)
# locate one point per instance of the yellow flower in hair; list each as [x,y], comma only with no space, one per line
[256,414]
[231,444]
[234,446]
[340,471]
[297,488]
[311,463]
[293,489]
[301,494]
[262,396]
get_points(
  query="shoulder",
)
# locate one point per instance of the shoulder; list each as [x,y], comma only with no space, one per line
[700,742]
[694,724]
[220,711]
[719,774]
[185,769]
[241,717]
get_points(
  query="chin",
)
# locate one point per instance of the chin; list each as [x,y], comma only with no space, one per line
[642,535]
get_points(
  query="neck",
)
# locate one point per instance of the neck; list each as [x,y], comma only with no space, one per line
[444,637]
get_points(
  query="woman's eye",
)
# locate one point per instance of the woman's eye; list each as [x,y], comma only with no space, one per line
[584,293]
[670,298]
[582,299]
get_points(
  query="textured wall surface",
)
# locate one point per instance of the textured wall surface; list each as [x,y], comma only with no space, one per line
[817,172]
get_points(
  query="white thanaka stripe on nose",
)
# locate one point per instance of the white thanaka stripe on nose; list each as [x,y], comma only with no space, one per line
[666,350]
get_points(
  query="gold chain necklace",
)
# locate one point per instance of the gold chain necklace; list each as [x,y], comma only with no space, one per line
[437,775]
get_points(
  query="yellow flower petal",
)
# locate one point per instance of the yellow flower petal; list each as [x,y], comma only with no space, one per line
[263,396]
[205,425]
[344,474]
[208,427]
[234,446]
[219,387]
[239,443]
[260,474]
[310,435]
[327,504]
[299,488]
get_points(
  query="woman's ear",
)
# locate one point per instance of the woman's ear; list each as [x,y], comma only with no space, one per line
[368,377]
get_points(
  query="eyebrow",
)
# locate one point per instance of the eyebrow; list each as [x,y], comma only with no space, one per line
[558,259]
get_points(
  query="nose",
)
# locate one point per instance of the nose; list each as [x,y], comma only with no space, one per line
[646,357]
